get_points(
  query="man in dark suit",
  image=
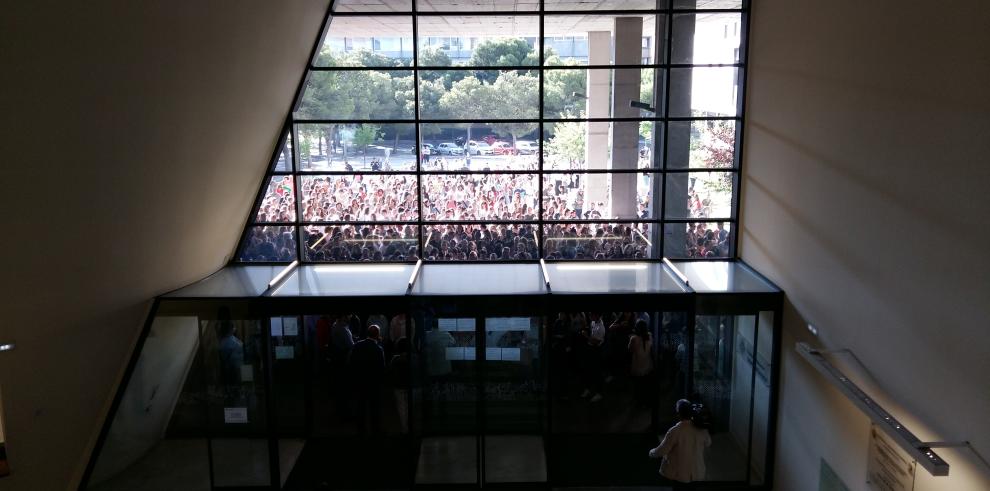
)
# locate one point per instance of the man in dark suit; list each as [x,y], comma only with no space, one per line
[367,365]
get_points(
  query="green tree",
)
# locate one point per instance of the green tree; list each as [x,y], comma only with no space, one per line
[515,96]
[501,52]
[365,135]
[433,57]
[559,89]
[568,142]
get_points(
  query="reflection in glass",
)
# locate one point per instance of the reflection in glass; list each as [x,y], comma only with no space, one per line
[333,243]
[269,243]
[284,160]
[700,194]
[356,147]
[602,5]
[372,6]
[365,198]
[357,94]
[484,242]
[704,92]
[459,6]
[279,203]
[716,38]
[697,240]
[597,196]
[372,41]
[583,145]
[450,197]
[568,38]
[470,94]
[576,93]
[701,144]
[707,4]
[597,241]
[487,40]
[490,146]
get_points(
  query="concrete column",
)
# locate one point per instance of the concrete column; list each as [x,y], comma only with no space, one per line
[679,138]
[597,106]
[625,136]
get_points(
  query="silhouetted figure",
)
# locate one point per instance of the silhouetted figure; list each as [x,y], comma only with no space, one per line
[367,365]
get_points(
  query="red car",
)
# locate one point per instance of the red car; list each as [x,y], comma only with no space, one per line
[503,148]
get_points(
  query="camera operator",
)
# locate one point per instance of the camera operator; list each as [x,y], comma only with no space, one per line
[683,447]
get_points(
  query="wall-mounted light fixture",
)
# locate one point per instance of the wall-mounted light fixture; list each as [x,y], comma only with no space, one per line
[7,346]
[918,450]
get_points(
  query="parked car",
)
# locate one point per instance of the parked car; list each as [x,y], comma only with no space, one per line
[504,148]
[448,148]
[479,148]
[527,147]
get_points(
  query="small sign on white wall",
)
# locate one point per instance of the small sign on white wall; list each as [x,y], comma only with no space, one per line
[235,415]
[888,468]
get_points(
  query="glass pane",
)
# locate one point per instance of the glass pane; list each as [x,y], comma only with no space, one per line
[163,399]
[240,462]
[332,243]
[701,144]
[232,281]
[484,242]
[598,241]
[357,147]
[269,243]
[450,197]
[372,5]
[723,276]
[288,376]
[382,41]
[698,240]
[707,4]
[279,203]
[468,94]
[708,195]
[592,39]
[349,280]
[461,6]
[598,196]
[487,40]
[723,382]
[600,5]
[612,277]
[704,92]
[363,197]
[761,397]
[500,279]
[716,38]
[479,146]
[583,145]
[358,94]
[234,356]
[576,93]
[283,162]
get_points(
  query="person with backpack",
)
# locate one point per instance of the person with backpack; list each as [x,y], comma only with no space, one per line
[683,447]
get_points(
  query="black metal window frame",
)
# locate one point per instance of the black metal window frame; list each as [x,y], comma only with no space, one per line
[660,170]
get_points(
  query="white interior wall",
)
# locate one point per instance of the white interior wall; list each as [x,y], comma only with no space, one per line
[135,135]
[865,198]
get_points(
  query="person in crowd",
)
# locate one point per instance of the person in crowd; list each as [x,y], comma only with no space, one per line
[367,366]
[398,372]
[682,449]
[640,347]
[591,358]
[231,351]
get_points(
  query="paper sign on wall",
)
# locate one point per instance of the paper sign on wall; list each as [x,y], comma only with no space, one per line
[235,415]
[276,326]
[247,373]
[290,326]
[285,352]
[888,468]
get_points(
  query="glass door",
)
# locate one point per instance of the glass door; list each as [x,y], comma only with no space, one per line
[445,399]
[514,410]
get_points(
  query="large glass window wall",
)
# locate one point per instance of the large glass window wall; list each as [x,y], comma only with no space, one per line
[444,131]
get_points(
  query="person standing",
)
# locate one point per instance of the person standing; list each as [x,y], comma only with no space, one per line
[367,365]
[640,347]
[683,448]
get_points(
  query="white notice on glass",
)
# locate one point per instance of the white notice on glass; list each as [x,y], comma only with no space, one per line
[235,415]
[497,324]
[291,326]
[465,324]
[510,354]
[519,323]
[276,326]
[493,354]
[285,352]
[247,373]
[455,354]
[447,324]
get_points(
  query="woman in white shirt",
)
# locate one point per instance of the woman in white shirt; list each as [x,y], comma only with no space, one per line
[683,448]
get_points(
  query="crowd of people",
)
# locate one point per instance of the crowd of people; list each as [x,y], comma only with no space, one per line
[703,241]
